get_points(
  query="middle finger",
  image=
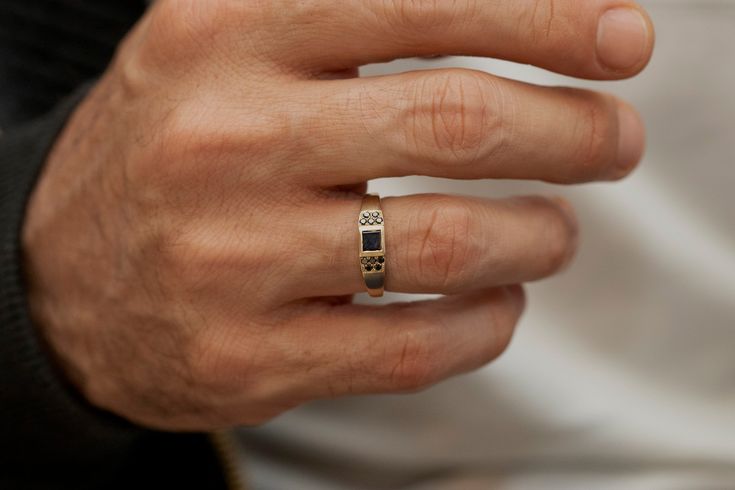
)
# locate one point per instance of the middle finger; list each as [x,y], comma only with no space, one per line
[468,124]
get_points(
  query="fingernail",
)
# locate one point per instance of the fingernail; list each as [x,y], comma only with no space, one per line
[622,38]
[573,223]
[631,137]
[518,296]
[565,205]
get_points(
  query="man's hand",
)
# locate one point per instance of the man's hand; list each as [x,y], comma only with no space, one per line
[192,248]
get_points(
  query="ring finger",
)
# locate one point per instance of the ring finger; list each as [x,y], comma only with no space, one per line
[441,244]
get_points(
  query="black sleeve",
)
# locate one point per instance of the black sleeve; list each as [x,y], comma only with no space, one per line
[50,437]
[42,424]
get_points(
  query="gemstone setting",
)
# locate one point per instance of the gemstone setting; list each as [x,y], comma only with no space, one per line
[371,223]
[371,240]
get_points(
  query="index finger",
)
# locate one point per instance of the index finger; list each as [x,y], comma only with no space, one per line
[597,39]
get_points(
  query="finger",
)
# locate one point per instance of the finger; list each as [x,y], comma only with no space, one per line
[400,347]
[600,39]
[466,124]
[436,244]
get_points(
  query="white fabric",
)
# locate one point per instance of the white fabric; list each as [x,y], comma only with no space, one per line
[622,372]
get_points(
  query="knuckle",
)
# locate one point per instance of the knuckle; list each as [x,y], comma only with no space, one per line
[541,19]
[451,117]
[218,364]
[193,21]
[181,37]
[191,137]
[175,255]
[418,15]
[190,134]
[177,22]
[216,360]
[412,363]
[162,154]
[181,133]
[190,260]
[444,247]
[304,12]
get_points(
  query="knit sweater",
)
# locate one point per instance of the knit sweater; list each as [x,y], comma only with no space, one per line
[51,437]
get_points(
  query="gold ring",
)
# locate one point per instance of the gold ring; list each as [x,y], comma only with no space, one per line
[372,244]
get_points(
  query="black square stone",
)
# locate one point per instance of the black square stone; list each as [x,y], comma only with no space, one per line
[370,241]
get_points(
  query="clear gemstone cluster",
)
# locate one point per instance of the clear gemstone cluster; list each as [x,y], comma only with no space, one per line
[371,218]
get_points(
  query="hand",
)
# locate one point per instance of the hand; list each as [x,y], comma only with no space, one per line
[191,245]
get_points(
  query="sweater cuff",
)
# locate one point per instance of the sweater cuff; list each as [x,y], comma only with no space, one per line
[46,425]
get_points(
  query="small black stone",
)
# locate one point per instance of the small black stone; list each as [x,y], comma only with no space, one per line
[378,267]
[381,259]
[372,260]
[368,267]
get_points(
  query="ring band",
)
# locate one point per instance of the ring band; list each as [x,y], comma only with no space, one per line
[371,231]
